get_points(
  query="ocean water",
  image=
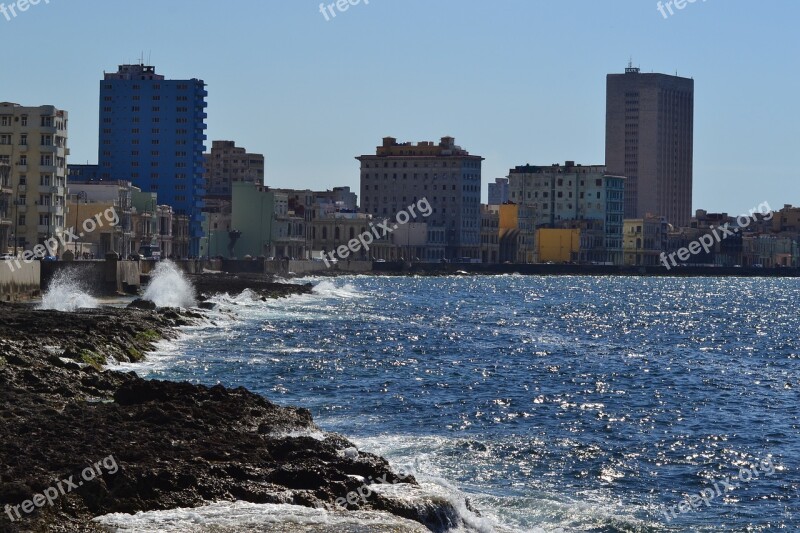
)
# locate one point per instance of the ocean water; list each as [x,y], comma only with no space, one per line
[550,403]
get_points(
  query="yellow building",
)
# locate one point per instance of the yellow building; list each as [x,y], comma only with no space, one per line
[644,239]
[558,245]
[517,233]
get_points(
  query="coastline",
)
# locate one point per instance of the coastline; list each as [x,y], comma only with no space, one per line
[175,445]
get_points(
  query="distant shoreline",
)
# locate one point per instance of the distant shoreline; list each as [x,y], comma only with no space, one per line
[455,269]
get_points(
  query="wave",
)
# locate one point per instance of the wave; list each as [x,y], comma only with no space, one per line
[67,293]
[244,517]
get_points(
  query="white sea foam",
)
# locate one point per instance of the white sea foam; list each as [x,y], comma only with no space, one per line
[67,293]
[168,287]
[248,517]
[332,289]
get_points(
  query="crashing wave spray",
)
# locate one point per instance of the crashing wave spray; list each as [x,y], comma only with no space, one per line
[67,293]
[169,288]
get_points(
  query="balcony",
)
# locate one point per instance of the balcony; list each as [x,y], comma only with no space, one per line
[22,188]
[48,148]
[52,209]
[54,190]
[47,168]
[23,148]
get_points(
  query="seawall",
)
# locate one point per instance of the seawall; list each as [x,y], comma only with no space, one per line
[19,283]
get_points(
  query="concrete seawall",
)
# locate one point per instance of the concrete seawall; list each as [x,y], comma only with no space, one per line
[312,267]
[101,278]
[21,283]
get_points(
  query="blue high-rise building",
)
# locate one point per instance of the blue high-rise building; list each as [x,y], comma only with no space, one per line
[152,133]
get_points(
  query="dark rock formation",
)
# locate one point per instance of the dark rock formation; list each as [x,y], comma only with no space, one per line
[173,444]
[233,284]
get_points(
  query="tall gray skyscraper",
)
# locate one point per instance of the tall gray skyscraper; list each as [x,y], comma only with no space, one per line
[649,139]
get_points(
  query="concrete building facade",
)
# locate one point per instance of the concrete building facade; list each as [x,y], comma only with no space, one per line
[645,239]
[227,164]
[152,133]
[86,199]
[33,142]
[498,191]
[649,140]
[448,176]
[574,196]
[6,206]
[490,233]
[262,224]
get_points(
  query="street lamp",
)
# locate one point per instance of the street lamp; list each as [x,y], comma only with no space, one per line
[78,196]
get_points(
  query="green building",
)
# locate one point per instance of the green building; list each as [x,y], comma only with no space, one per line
[253,217]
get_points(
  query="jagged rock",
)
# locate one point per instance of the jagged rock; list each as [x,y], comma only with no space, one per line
[175,444]
[142,304]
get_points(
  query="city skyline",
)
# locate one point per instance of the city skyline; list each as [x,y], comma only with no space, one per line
[743,131]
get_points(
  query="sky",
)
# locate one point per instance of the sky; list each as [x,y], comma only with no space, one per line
[515,81]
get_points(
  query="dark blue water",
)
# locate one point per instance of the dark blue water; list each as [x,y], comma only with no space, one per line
[553,403]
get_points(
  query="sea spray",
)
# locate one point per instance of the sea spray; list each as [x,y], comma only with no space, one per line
[168,287]
[67,293]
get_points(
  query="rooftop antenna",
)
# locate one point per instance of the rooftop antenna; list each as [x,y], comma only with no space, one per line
[631,69]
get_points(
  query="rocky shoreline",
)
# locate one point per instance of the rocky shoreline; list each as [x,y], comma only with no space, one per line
[171,444]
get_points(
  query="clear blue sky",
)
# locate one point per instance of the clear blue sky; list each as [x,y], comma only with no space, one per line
[516,81]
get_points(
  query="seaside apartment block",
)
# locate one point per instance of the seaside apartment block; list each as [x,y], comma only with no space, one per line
[400,174]
[33,143]
[649,140]
[152,133]
[572,196]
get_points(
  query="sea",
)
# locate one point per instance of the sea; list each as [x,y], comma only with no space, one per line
[549,404]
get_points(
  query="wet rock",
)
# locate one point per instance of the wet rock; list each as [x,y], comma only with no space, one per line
[173,444]
[142,304]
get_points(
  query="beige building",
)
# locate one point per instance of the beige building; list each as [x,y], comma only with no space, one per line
[180,236]
[337,229]
[33,140]
[786,220]
[6,207]
[227,164]
[490,233]
[644,241]
[102,195]
[400,174]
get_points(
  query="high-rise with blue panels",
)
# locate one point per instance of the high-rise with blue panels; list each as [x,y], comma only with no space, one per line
[152,133]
